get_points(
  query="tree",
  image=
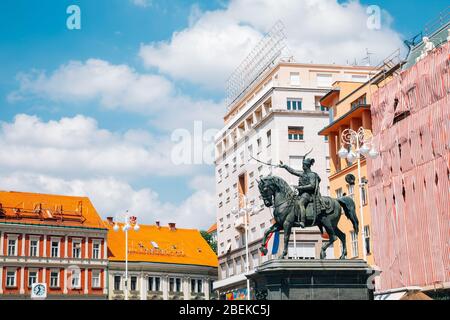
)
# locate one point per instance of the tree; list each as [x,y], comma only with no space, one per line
[210,240]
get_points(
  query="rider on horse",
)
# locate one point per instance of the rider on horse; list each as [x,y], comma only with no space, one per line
[308,188]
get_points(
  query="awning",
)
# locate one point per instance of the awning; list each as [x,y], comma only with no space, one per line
[408,293]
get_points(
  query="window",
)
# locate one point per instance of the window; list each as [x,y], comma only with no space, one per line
[255,260]
[55,248]
[367,238]
[262,229]
[295,133]
[11,278]
[363,193]
[32,278]
[54,279]
[250,152]
[76,284]
[175,284]
[95,278]
[234,164]
[133,283]
[34,244]
[359,78]
[258,143]
[96,250]
[269,137]
[260,169]
[219,174]
[338,193]
[327,160]
[154,284]
[12,247]
[242,158]
[354,238]
[117,282]
[294,104]
[324,80]
[227,170]
[76,249]
[351,191]
[358,102]
[295,78]
[325,138]
[196,285]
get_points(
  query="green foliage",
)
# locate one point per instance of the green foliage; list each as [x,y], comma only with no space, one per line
[209,239]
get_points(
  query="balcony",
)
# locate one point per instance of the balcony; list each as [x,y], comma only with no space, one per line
[239,223]
[154,295]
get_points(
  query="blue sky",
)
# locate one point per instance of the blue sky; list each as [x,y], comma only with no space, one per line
[138,70]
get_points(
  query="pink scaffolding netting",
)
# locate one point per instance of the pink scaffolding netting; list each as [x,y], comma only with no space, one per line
[409,189]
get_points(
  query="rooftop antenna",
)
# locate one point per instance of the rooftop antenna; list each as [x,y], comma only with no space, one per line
[367,58]
[270,49]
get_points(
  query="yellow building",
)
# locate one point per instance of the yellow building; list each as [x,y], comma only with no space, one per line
[349,107]
[164,262]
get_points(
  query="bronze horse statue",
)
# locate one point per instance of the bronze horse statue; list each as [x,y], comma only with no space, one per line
[276,192]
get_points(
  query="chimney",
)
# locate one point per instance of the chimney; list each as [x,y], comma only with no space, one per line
[110,220]
[157,224]
[172,226]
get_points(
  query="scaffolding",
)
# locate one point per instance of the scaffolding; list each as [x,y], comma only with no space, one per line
[262,57]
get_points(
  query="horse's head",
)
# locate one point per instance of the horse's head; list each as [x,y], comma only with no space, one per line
[267,190]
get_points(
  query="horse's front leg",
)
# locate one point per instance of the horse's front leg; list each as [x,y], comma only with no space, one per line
[269,231]
[287,226]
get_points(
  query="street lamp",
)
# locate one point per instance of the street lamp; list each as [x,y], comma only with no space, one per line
[245,211]
[361,142]
[127,225]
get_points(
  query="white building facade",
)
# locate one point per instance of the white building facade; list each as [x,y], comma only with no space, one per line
[276,120]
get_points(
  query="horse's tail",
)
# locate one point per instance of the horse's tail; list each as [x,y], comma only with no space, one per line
[348,205]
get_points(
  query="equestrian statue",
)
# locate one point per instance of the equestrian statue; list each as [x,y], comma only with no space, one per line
[304,208]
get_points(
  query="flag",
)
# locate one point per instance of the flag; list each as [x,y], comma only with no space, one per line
[276,242]
[267,242]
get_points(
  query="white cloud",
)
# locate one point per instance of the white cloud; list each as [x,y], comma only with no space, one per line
[119,87]
[77,147]
[322,31]
[113,85]
[142,3]
[112,196]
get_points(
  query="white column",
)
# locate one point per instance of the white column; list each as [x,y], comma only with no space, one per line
[186,289]
[143,288]
[66,247]
[165,287]
[86,273]
[22,278]
[206,288]
[22,252]
[2,239]
[1,278]
[86,249]
[105,282]
[44,251]
[105,249]
[44,275]
[65,281]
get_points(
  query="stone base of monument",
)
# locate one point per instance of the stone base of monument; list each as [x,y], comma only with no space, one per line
[312,280]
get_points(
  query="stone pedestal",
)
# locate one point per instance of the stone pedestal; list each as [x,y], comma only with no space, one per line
[312,280]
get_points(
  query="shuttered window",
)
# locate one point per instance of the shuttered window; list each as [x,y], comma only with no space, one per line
[295,133]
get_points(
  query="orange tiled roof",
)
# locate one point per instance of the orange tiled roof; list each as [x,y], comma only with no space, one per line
[212,228]
[47,209]
[180,246]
